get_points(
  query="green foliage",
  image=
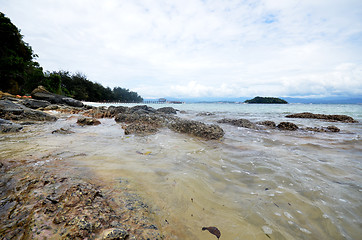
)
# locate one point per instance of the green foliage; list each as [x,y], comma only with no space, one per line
[16,56]
[20,74]
[269,100]
[79,87]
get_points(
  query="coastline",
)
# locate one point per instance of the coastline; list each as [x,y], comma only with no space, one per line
[98,157]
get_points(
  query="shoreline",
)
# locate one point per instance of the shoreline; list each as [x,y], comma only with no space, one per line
[59,168]
[50,198]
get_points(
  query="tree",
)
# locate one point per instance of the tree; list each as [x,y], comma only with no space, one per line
[20,73]
[270,100]
[16,58]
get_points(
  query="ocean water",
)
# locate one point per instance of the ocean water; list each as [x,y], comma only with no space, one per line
[252,184]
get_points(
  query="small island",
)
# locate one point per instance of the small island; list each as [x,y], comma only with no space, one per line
[267,100]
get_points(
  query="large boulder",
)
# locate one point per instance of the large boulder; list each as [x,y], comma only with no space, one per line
[14,111]
[42,94]
[8,126]
[197,129]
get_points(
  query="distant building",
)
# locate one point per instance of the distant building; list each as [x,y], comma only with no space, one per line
[162,100]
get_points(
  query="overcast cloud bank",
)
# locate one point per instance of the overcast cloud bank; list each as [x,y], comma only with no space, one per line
[194,48]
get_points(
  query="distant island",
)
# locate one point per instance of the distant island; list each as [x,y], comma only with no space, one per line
[268,100]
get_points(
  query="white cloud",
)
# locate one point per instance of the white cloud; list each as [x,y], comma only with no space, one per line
[195,48]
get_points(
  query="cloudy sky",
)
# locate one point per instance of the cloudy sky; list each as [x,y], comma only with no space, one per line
[200,48]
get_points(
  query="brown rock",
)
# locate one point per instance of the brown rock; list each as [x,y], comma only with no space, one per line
[332,118]
[287,126]
[197,129]
[88,121]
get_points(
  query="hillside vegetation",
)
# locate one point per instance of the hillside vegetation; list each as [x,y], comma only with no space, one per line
[269,100]
[20,73]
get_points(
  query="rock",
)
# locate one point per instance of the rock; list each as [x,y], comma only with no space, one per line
[332,118]
[34,103]
[143,118]
[323,129]
[50,201]
[167,110]
[142,109]
[205,114]
[269,124]
[52,107]
[62,131]
[287,126]
[138,128]
[88,121]
[72,102]
[14,111]
[117,110]
[6,95]
[114,233]
[8,126]
[197,129]
[140,123]
[333,129]
[102,112]
[239,122]
[42,94]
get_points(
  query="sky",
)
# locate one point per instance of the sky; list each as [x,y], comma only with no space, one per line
[200,48]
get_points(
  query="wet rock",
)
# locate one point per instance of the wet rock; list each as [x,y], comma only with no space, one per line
[269,124]
[333,129]
[239,122]
[323,129]
[114,233]
[37,204]
[140,128]
[62,131]
[103,112]
[51,107]
[140,123]
[117,110]
[14,111]
[8,126]
[205,114]
[141,118]
[287,126]
[197,129]
[42,94]
[167,110]
[332,118]
[88,121]
[142,109]
[34,103]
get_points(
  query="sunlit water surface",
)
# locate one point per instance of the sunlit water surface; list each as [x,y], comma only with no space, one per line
[253,184]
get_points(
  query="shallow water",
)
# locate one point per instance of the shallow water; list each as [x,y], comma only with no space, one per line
[253,184]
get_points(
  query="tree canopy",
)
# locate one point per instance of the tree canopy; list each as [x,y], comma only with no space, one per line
[20,73]
[270,100]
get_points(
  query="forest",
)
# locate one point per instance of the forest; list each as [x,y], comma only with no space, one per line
[20,73]
[267,100]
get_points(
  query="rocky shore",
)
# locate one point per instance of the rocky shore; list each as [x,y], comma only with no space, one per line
[51,201]
[41,199]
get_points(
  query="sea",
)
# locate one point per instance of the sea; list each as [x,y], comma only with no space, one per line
[251,184]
